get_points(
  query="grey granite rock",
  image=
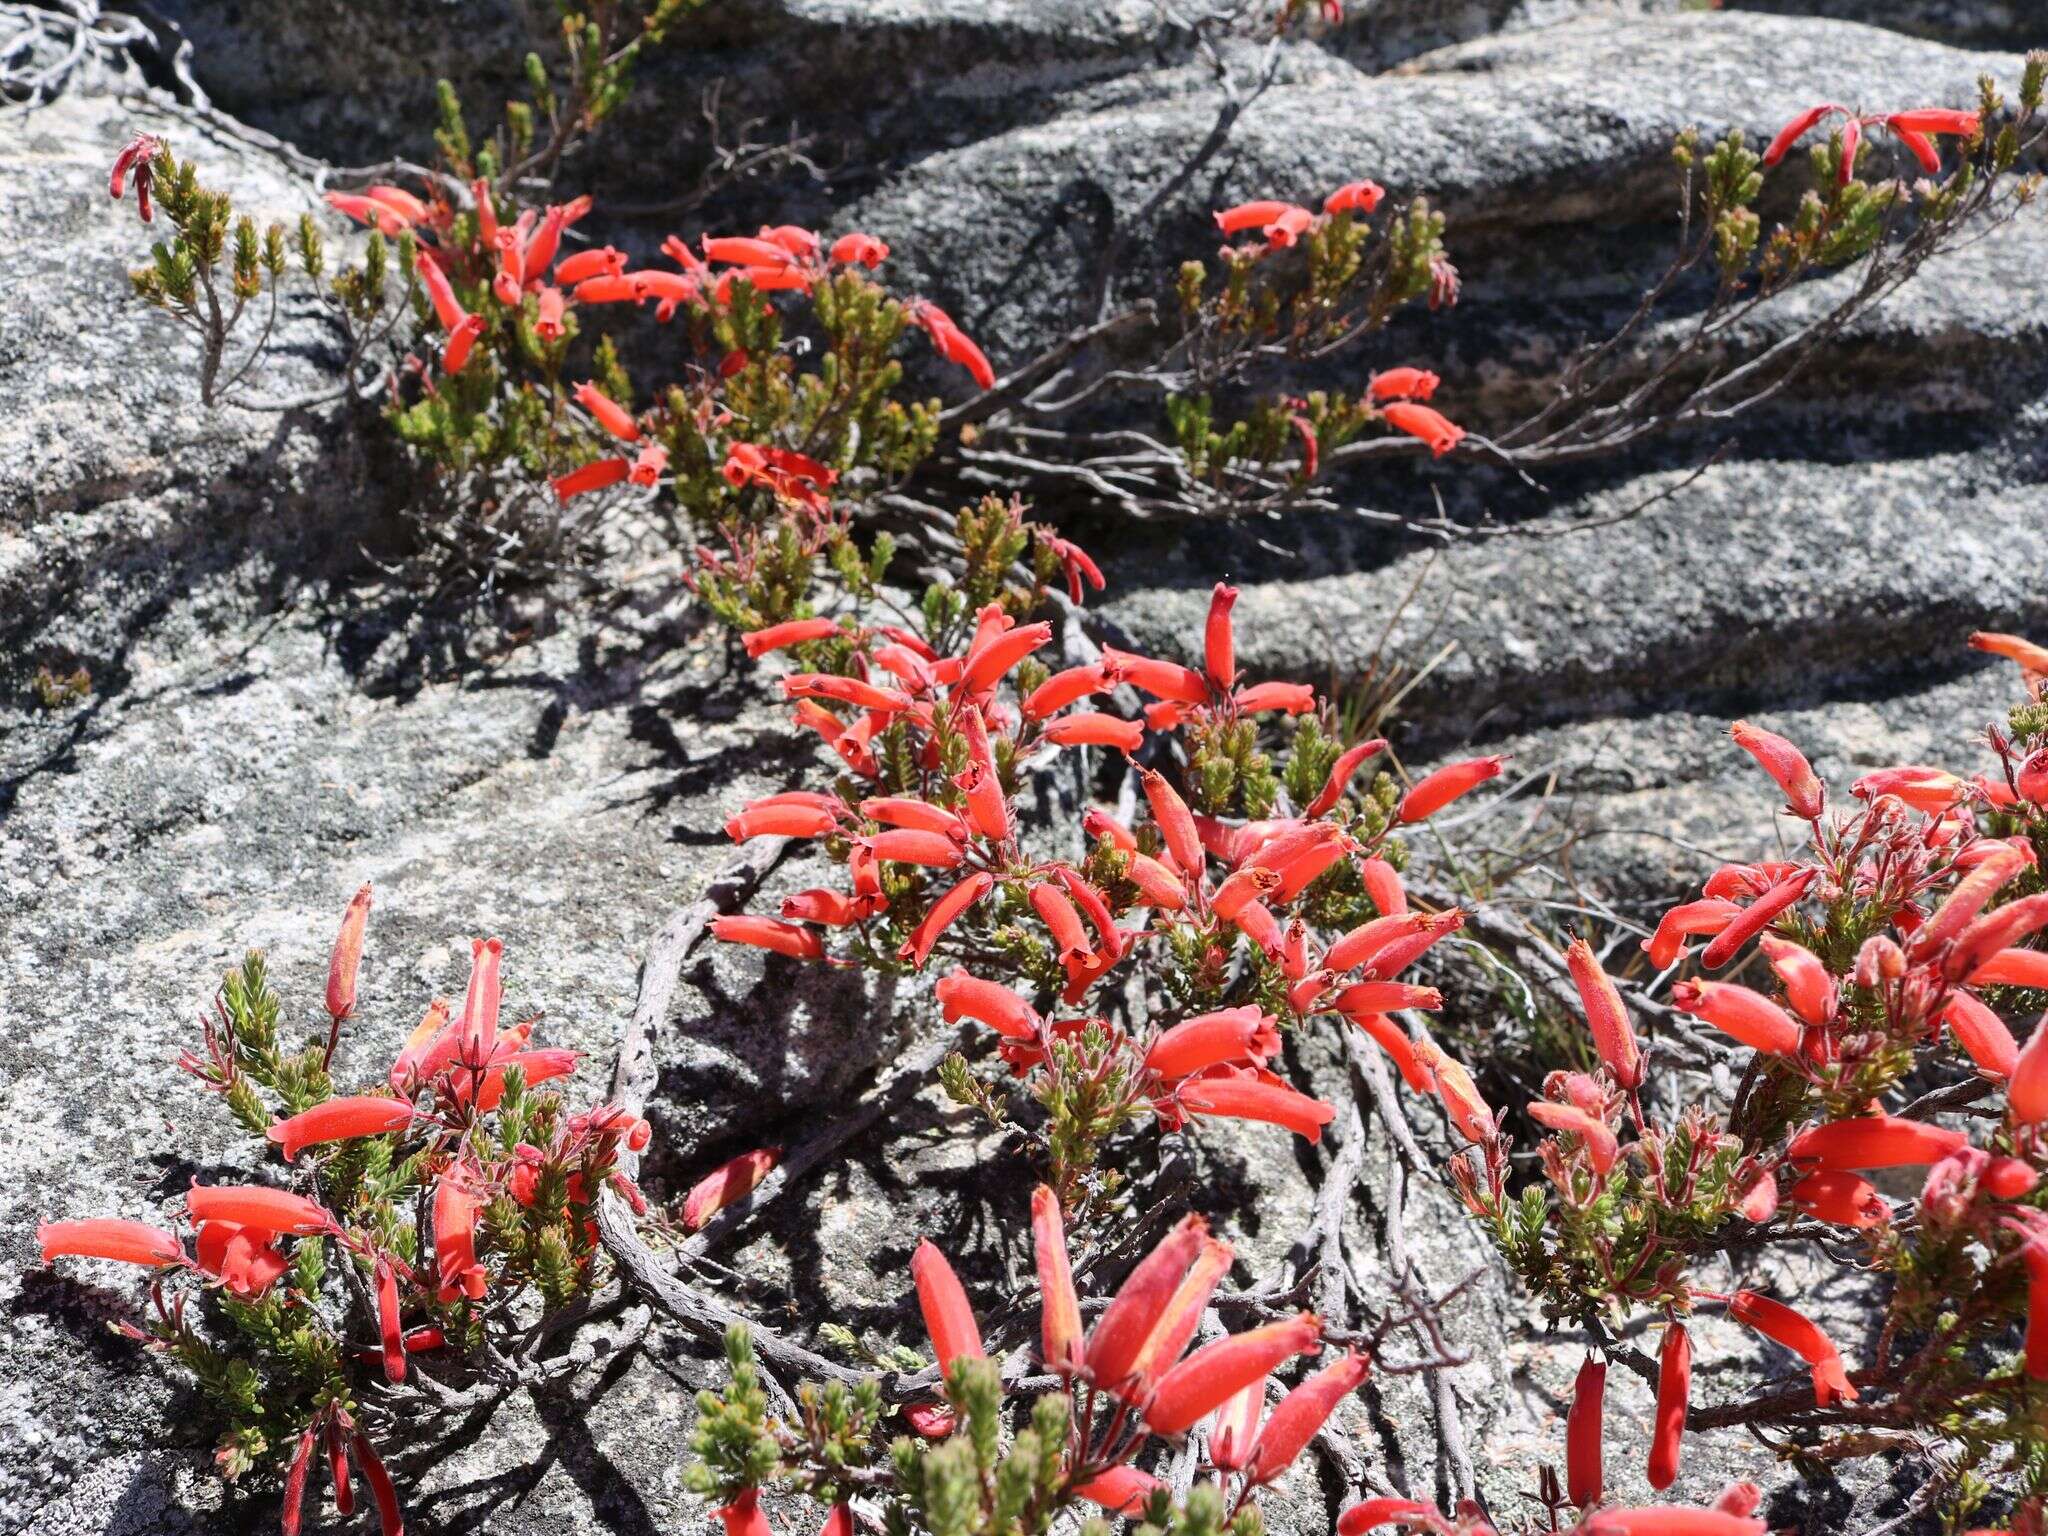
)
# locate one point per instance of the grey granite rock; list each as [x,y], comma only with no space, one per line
[1982,23]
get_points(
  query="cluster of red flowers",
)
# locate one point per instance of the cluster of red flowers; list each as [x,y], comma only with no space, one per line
[452,1072]
[1906,922]
[1916,130]
[942,864]
[1397,392]
[524,260]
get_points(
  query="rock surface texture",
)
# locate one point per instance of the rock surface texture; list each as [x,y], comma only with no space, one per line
[263,735]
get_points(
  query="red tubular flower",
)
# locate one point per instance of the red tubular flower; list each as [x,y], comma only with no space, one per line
[2026,1094]
[1157,885]
[1939,120]
[1982,1035]
[1063,688]
[367,210]
[2029,657]
[1966,901]
[1682,922]
[291,1511]
[950,341]
[834,909]
[1582,1431]
[2034,1254]
[1212,1039]
[1120,1490]
[1749,1016]
[1059,1308]
[387,1320]
[1852,140]
[1219,641]
[1756,917]
[1120,1333]
[1389,1038]
[1246,1098]
[1921,147]
[1292,698]
[1234,1430]
[1996,930]
[1875,1141]
[987,665]
[961,996]
[1386,997]
[1673,1520]
[1432,426]
[246,1260]
[922,815]
[1090,729]
[1371,1514]
[744,1515]
[595,476]
[455,357]
[1289,227]
[548,313]
[863,250]
[447,308]
[1602,1147]
[1759,1202]
[604,261]
[745,251]
[987,806]
[1468,1112]
[727,1184]
[1241,890]
[255,1205]
[347,958]
[1779,1323]
[1613,1036]
[1844,1198]
[1440,788]
[918,947]
[1794,131]
[538,254]
[1161,679]
[400,202]
[1404,384]
[480,1003]
[844,690]
[2031,781]
[1181,1315]
[1254,215]
[776,637]
[455,1261]
[1787,766]
[1808,986]
[1355,197]
[1674,1391]
[1061,920]
[1176,823]
[1215,1372]
[1930,791]
[1361,944]
[1340,776]
[1404,949]
[339,1120]
[342,1479]
[766,933]
[612,416]
[1297,1417]
[107,1237]
[933,850]
[137,155]
[781,821]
